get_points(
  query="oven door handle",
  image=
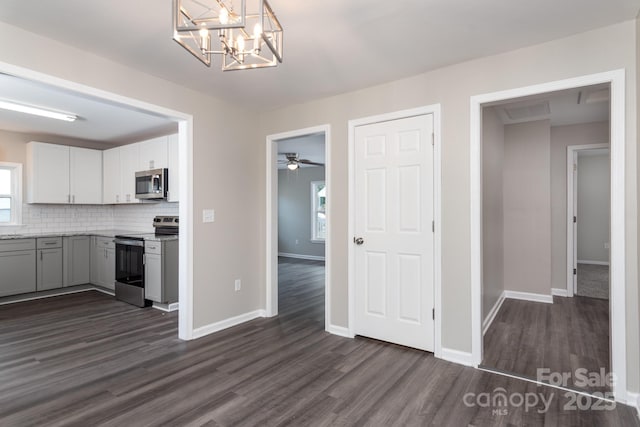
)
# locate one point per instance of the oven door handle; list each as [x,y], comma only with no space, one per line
[129,242]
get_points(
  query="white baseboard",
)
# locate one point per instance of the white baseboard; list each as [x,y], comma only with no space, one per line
[633,399]
[339,330]
[527,296]
[227,323]
[559,292]
[299,256]
[457,356]
[488,320]
[583,261]
[174,306]
[104,291]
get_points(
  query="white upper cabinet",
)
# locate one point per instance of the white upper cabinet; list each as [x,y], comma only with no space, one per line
[63,174]
[120,167]
[129,165]
[112,177]
[174,169]
[153,154]
[85,171]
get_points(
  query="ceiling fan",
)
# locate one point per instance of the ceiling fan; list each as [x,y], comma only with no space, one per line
[293,162]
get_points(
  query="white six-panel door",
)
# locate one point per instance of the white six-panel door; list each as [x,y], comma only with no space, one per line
[394,260]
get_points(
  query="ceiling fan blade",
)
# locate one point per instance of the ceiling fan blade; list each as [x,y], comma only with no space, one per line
[309,162]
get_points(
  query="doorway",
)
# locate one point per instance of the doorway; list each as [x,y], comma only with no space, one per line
[615,82]
[298,223]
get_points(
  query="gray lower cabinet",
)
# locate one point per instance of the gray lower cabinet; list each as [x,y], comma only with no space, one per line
[103,262]
[161,271]
[77,260]
[18,266]
[49,263]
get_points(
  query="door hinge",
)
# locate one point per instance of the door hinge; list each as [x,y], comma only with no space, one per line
[433,313]
[433,226]
[575,219]
[575,271]
[575,167]
[433,139]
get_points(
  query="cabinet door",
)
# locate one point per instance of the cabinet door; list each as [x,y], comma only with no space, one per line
[129,159]
[18,272]
[109,266]
[47,173]
[85,182]
[111,177]
[96,253]
[77,260]
[173,164]
[153,277]
[153,153]
[49,265]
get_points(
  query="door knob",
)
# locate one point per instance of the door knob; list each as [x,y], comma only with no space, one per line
[358,240]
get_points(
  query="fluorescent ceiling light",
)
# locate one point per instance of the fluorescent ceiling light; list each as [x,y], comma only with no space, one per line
[21,108]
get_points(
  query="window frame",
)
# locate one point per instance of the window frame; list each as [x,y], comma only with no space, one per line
[315,210]
[16,193]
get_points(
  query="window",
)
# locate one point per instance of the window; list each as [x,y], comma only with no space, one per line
[318,211]
[10,193]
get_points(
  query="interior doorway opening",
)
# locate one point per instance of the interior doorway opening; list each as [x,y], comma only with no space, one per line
[298,221]
[487,307]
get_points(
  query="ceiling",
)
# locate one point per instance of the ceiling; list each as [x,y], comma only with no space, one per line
[331,46]
[309,147]
[567,107]
[98,120]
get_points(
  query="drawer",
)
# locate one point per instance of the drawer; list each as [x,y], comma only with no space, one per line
[152,247]
[105,243]
[10,245]
[49,242]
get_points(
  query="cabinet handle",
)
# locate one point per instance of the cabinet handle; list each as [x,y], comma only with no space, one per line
[73,199]
[68,198]
[117,198]
[40,255]
[49,243]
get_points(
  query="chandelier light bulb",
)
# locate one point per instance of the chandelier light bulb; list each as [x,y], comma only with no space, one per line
[223,16]
[257,33]
[240,43]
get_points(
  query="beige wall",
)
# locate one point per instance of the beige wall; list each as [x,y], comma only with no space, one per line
[226,249]
[492,209]
[561,138]
[527,207]
[605,49]
[594,198]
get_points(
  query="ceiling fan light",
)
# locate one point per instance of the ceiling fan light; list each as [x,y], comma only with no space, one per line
[291,165]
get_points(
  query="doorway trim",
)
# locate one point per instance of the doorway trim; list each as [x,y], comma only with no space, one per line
[616,79]
[271,300]
[185,150]
[572,151]
[435,110]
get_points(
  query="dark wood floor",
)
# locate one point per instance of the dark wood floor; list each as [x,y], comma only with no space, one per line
[570,334]
[88,360]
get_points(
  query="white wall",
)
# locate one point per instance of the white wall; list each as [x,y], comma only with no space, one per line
[561,138]
[604,49]
[594,201]
[492,209]
[527,207]
[294,211]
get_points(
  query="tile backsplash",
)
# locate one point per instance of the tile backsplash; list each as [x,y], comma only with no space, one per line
[140,217]
[64,218]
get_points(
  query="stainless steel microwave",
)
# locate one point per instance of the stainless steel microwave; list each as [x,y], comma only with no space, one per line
[152,184]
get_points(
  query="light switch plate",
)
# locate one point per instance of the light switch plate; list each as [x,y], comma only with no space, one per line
[208,215]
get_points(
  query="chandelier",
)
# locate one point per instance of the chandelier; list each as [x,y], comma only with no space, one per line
[246,33]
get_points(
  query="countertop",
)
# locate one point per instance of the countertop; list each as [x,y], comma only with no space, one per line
[99,233]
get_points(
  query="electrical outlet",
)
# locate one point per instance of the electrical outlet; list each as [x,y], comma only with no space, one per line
[238,284]
[297,241]
[606,245]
